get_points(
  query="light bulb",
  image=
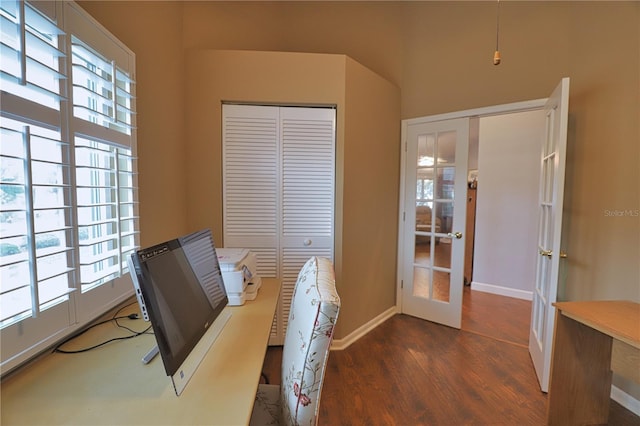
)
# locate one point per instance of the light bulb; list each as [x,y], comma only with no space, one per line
[496,58]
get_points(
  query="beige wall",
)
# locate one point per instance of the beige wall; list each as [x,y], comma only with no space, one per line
[370,185]
[448,61]
[244,76]
[366,155]
[439,54]
[155,36]
[369,32]
[604,162]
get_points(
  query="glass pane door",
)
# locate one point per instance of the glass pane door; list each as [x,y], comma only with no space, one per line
[435,203]
[435,166]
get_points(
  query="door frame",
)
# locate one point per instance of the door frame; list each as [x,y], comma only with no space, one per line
[531,105]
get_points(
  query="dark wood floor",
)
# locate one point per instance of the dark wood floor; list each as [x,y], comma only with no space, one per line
[409,371]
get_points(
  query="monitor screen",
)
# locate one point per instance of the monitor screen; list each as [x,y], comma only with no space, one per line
[182,287]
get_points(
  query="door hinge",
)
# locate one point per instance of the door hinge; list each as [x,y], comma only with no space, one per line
[401,284]
[404,216]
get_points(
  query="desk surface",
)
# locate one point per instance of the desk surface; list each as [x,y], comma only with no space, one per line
[581,366]
[619,319]
[111,386]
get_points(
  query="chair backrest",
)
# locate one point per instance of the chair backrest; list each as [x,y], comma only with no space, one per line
[423,214]
[314,309]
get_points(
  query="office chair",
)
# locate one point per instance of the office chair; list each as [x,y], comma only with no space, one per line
[314,309]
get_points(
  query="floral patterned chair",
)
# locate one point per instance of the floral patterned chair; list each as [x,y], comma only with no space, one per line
[314,310]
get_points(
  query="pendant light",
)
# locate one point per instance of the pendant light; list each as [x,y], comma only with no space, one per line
[496,54]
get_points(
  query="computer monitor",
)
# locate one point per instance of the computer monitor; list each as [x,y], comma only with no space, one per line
[183,294]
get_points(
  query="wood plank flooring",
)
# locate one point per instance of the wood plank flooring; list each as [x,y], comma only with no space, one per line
[498,317]
[409,371]
[422,280]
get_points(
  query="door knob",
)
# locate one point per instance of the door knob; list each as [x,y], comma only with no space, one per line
[547,253]
[457,235]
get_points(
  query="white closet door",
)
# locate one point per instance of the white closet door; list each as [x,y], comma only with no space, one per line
[308,182]
[251,189]
[279,180]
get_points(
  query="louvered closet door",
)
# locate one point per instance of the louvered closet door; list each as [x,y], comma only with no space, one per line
[279,180]
[251,182]
[308,141]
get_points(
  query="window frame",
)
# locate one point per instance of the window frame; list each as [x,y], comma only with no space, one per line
[30,336]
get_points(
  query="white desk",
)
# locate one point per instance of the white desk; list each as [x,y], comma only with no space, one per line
[110,386]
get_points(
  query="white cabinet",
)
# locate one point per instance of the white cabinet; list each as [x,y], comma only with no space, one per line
[279,190]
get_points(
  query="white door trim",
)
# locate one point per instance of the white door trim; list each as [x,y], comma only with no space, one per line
[482,111]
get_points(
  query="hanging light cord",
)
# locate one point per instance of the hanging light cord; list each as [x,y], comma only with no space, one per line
[496,54]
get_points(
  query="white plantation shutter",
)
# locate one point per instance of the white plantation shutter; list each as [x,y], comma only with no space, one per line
[102,94]
[279,179]
[32,58]
[102,127]
[37,258]
[107,210]
[68,186]
[36,232]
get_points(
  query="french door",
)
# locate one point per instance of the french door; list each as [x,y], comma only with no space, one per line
[552,166]
[424,265]
[435,188]
[278,190]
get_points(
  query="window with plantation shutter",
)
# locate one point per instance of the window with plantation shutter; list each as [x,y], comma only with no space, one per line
[102,92]
[32,54]
[37,242]
[106,212]
[68,180]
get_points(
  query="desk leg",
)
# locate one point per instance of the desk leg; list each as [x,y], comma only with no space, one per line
[580,382]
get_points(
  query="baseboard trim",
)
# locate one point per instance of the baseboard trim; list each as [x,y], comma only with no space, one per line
[344,343]
[626,400]
[502,291]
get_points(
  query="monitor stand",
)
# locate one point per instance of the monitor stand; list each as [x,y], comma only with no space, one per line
[199,351]
[150,355]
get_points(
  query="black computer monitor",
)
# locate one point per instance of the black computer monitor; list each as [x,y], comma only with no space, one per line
[183,294]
